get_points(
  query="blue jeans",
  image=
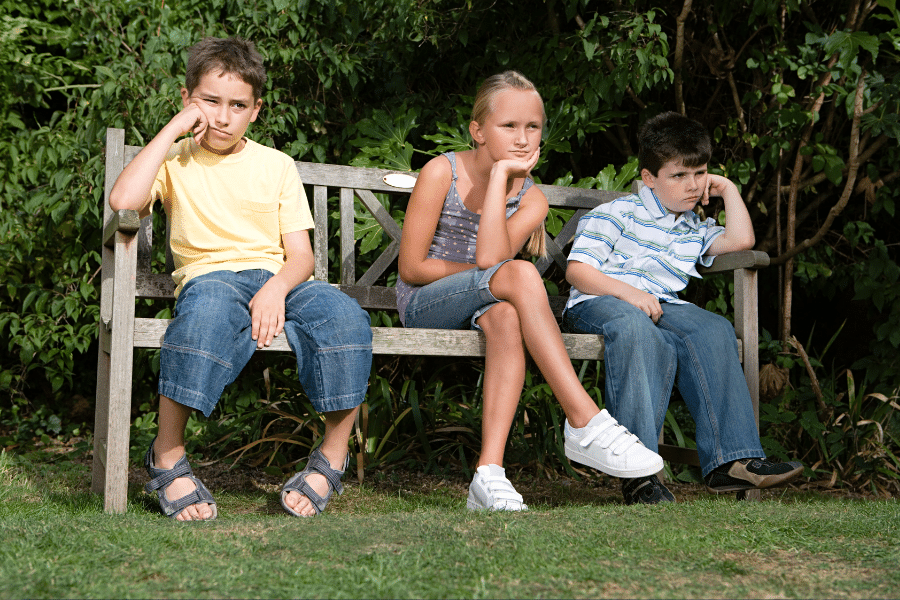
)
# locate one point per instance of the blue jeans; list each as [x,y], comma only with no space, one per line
[688,346]
[208,342]
[452,302]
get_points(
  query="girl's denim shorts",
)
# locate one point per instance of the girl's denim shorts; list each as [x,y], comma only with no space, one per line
[453,302]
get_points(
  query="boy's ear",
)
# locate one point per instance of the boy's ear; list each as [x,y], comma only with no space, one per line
[185,97]
[256,108]
[648,178]
[476,133]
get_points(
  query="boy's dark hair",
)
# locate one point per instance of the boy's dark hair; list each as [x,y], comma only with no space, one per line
[671,135]
[233,55]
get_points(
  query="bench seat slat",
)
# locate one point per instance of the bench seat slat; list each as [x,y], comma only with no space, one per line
[148,333]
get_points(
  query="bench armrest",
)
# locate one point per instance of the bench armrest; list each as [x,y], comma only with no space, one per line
[745,259]
[127,222]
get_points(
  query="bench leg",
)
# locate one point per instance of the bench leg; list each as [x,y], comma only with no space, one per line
[746,325]
[110,464]
[115,363]
[362,433]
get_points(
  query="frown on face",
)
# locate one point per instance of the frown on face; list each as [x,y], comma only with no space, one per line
[229,106]
[512,130]
[679,188]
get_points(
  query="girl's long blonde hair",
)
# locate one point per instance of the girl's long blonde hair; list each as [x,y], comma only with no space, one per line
[482,107]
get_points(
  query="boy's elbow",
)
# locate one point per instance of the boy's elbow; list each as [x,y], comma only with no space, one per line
[119,200]
[115,200]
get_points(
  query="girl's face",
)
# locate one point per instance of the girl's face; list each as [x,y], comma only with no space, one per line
[512,130]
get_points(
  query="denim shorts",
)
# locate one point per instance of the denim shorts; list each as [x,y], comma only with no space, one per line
[453,302]
[208,342]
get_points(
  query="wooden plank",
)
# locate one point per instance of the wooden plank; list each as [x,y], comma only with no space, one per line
[349,177]
[154,286]
[320,233]
[373,179]
[348,239]
[372,297]
[746,259]
[381,264]
[746,326]
[148,333]
[130,151]
[125,221]
[559,243]
[115,162]
[570,197]
[116,421]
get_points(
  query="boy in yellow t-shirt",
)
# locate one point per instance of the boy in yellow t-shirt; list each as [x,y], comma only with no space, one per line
[239,223]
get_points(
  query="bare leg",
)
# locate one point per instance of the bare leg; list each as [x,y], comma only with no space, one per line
[338,427]
[519,283]
[168,450]
[504,374]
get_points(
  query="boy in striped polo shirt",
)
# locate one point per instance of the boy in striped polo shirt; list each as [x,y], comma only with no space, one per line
[629,260]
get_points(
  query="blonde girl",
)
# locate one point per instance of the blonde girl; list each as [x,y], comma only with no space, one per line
[469,215]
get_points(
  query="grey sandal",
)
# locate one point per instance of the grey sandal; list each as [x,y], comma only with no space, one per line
[317,463]
[162,478]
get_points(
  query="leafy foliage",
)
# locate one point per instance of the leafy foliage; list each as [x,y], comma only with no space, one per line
[803,99]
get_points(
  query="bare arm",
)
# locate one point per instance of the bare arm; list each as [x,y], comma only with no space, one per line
[267,306]
[738,233]
[589,280]
[132,188]
[500,238]
[420,223]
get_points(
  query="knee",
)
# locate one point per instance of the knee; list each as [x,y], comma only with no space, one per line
[518,280]
[502,319]
[350,316]
[719,326]
[634,325]
[521,273]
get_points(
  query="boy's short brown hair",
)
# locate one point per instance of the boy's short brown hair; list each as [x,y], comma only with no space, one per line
[233,55]
[671,135]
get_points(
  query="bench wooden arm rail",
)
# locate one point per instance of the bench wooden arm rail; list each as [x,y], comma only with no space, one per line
[122,221]
[127,275]
[746,259]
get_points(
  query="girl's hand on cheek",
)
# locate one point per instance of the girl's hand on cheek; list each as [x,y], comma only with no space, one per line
[512,167]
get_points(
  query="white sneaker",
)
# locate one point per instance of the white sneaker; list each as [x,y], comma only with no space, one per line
[611,448]
[491,490]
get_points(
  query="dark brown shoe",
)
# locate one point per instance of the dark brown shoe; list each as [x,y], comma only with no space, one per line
[751,473]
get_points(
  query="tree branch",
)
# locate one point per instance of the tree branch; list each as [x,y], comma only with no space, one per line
[679,55]
[852,171]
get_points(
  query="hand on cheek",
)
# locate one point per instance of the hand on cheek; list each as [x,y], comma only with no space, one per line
[201,125]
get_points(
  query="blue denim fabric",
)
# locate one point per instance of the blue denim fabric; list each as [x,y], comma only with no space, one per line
[452,302]
[208,342]
[688,346]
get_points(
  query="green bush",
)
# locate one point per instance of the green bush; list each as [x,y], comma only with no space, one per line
[390,82]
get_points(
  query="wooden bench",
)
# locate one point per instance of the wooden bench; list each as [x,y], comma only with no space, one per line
[127,276]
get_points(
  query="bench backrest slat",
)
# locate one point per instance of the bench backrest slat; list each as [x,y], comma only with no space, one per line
[350,184]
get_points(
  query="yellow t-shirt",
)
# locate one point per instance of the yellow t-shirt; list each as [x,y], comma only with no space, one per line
[228,213]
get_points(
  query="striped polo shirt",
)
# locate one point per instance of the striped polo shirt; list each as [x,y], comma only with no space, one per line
[635,239]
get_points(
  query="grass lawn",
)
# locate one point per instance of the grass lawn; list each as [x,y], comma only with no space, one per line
[404,536]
